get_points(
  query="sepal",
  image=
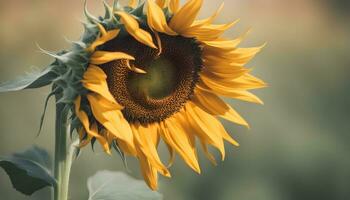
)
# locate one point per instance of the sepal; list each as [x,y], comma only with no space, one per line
[35,79]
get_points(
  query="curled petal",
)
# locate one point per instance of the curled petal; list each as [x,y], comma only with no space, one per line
[133,28]
[156,19]
[102,57]
[84,119]
[112,120]
[84,138]
[94,79]
[105,37]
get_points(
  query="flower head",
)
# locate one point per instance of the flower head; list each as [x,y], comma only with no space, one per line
[151,72]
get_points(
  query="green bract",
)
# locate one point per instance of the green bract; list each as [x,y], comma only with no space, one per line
[66,72]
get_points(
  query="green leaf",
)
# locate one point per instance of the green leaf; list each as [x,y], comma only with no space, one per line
[32,80]
[28,170]
[108,185]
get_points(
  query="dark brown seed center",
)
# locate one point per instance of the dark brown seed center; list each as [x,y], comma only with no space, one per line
[168,83]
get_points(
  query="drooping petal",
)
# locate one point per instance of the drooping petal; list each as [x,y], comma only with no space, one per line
[94,79]
[149,172]
[84,138]
[144,144]
[184,18]
[102,57]
[156,19]
[105,37]
[171,155]
[175,135]
[210,157]
[84,119]
[212,104]
[205,126]
[133,28]
[112,120]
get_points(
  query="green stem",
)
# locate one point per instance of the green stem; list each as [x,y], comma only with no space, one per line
[63,153]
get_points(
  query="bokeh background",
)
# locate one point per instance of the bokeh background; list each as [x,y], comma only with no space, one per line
[298,146]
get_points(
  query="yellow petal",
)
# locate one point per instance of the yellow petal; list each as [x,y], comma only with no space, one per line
[205,126]
[155,133]
[222,67]
[126,148]
[144,143]
[208,154]
[110,137]
[102,57]
[156,19]
[223,44]
[209,20]
[244,82]
[171,155]
[208,32]
[84,119]
[184,18]
[94,79]
[239,56]
[174,6]
[161,3]
[232,93]
[149,172]
[133,3]
[135,69]
[112,120]
[133,28]
[231,74]
[212,104]
[84,138]
[174,134]
[105,37]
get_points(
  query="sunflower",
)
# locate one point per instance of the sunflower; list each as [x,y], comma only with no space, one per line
[158,76]
[150,72]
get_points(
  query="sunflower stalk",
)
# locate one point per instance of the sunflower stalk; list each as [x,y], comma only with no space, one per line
[64,152]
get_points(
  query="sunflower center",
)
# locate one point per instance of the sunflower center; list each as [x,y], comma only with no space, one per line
[168,83]
[159,81]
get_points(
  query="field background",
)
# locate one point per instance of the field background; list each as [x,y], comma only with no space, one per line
[298,146]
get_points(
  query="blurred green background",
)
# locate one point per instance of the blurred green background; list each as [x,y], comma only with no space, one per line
[297,147]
